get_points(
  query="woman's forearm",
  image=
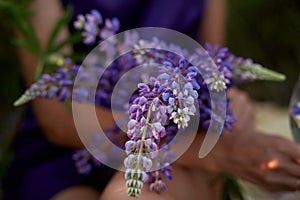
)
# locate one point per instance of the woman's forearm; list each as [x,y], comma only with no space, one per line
[190,158]
[55,121]
[213,25]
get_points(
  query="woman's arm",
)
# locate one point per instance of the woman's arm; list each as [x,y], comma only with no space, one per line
[213,25]
[269,161]
[55,120]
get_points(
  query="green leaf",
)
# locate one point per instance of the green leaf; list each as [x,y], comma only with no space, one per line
[231,189]
[53,62]
[39,69]
[60,24]
[68,105]
[76,57]
[74,38]
[24,44]
[29,34]
[15,15]
[6,5]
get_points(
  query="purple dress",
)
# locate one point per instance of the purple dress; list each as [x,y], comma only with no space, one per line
[40,169]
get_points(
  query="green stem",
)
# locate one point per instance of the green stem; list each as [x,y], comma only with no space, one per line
[39,69]
[179,90]
[145,129]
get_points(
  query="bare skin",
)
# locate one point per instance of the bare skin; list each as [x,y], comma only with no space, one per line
[78,193]
[185,185]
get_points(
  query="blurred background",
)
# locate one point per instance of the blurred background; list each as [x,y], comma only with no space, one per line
[267,31]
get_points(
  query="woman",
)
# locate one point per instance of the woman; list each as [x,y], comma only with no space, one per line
[33,182]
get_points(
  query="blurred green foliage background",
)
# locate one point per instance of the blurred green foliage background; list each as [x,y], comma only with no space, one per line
[269,32]
[266,30]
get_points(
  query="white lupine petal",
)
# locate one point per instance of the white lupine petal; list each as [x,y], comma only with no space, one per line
[140,185]
[144,177]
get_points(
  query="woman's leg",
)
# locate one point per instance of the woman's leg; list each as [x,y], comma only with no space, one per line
[186,184]
[78,193]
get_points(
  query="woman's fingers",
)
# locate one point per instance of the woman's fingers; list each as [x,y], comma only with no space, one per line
[276,180]
[289,155]
[282,172]
[272,162]
[292,150]
[293,169]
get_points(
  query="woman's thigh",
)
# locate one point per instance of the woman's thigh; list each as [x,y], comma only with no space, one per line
[183,186]
[78,193]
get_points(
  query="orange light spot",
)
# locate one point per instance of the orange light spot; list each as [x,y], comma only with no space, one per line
[273,164]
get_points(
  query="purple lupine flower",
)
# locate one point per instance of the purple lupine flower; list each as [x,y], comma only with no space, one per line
[143,134]
[166,172]
[153,99]
[158,186]
[90,26]
[90,33]
[52,91]
[295,109]
[50,86]
[220,56]
[110,28]
[130,39]
[130,146]
[181,92]
[63,94]
[95,16]
[82,158]
[158,178]
[85,161]
[157,183]
[80,94]
[159,108]
[135,174]
[79,23]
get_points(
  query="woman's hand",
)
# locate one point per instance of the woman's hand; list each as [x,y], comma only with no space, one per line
[268,161]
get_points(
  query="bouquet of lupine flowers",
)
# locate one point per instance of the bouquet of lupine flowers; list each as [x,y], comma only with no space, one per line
[162,105]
